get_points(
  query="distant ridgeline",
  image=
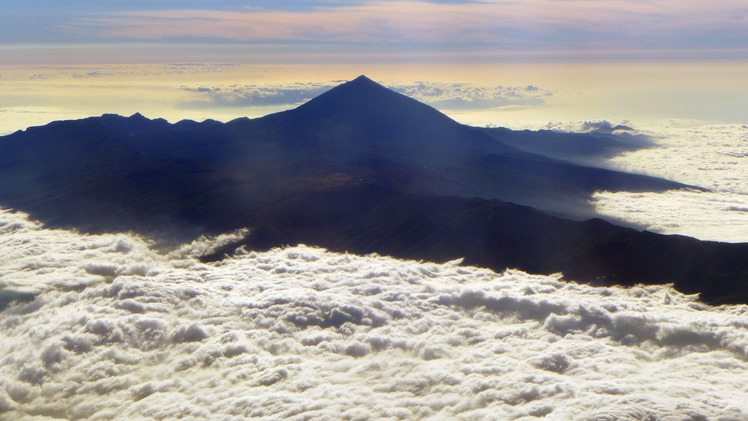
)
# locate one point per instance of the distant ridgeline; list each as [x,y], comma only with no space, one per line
[363,169]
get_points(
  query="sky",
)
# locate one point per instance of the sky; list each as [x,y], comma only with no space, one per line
[639,60]
[301,31]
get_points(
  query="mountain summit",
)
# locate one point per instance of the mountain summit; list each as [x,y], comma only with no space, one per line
[362,121]
[366,102]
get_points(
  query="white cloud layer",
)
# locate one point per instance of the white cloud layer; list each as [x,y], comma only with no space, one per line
[711,156]
[471,96]
[716,216]
[715,157]
[256,95]
[110,329]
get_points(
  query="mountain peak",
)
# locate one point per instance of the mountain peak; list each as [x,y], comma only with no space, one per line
[363,85]
[363,97]
[363,79]
[364,118]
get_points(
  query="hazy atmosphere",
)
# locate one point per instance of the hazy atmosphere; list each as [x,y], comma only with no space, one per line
[126,325]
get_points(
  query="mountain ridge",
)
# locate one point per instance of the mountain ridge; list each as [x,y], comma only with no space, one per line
[358,168]
[365,131]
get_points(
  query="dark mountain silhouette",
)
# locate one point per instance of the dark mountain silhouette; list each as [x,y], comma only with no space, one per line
[373,219]
[359,168]
[418,149]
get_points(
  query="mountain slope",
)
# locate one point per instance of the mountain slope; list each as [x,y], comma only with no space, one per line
[359,130]
[80,173]
[366,118]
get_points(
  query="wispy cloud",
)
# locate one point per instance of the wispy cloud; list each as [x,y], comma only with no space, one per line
[507,24]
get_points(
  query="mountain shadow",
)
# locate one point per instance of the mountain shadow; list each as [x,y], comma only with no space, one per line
[590,148]
[367,218]
[359,168]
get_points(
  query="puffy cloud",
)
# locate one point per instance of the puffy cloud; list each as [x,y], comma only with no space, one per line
[256,95]
[604,127]
[590,126]
[300,332]
[469,96]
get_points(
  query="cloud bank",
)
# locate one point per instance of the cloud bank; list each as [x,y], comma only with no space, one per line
[468,96]
[713,156]
[440,95]
[714,216]
[256,95]
[108,328]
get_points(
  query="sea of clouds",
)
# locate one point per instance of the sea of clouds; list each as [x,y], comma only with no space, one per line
[103,326]
[710,156]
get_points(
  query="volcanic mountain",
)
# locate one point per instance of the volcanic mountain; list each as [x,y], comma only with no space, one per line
[359,168]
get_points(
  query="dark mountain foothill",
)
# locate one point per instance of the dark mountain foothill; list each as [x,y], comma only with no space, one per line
[363,169]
